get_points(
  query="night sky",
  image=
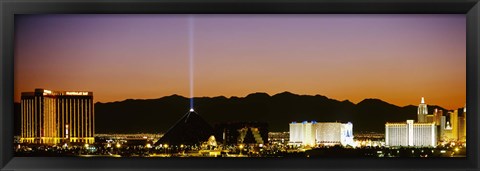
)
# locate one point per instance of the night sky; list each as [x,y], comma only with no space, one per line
[396,58]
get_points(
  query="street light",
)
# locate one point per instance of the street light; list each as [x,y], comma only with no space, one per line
[241,148]
[166,146]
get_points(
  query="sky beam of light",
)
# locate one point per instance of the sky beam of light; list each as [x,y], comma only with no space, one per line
[191,55]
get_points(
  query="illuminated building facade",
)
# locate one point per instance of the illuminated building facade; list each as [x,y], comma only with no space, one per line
[422,111]
[53,117]
[411,134]
[462,126]
[321,133]
[302,133]
[422,133]
[453,126]
[278,137]
[437,116]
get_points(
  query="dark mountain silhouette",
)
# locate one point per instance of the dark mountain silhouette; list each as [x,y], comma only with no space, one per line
[158,115]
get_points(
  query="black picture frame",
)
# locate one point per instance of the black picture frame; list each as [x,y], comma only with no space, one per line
[9,8]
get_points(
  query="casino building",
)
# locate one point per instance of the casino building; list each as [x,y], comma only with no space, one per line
[53,117]
[429,130]
[408,133]
[321,133]
[422,133]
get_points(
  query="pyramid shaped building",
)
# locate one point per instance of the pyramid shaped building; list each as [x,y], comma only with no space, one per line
[189,130]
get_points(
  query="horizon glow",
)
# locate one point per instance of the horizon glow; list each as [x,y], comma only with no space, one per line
[397,58]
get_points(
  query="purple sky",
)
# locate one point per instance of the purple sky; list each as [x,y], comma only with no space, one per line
[397,58]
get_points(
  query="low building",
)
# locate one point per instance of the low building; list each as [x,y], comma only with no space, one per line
[278,137]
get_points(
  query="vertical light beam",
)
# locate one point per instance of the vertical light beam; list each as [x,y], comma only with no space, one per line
[191,55]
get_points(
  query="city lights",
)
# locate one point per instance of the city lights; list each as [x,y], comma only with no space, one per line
[76,93]
[243,139]
[46,92]
[53,105]
[188,85]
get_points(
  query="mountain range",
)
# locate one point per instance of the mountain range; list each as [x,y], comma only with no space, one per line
[157,115]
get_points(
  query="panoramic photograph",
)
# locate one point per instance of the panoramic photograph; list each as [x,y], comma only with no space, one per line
[238,85]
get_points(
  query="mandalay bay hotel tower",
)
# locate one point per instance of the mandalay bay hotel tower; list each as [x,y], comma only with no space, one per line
[53,117]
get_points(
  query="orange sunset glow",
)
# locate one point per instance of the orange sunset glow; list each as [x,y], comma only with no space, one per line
[396,58]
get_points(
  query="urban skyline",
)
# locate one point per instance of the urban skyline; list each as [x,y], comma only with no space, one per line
[344,57]
[232,85]
[60,123]
[279,106]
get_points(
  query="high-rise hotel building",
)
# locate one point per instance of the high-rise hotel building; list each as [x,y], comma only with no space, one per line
[53,117]
[417,134]
[321,133]
[408,133]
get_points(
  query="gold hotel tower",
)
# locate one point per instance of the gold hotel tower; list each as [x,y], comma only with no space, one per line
[53,117]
